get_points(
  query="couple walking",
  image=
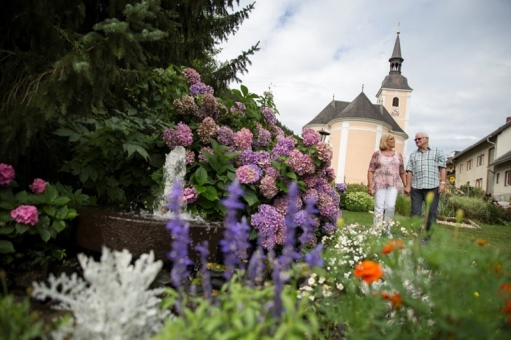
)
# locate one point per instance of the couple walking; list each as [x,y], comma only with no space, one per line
[424,173]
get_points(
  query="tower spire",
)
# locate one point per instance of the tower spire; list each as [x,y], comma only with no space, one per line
[396,60]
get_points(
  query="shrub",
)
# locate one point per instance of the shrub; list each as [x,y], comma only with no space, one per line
[16,321]
[359,201]
[472,191]
[29,221]
[403,205]
[473,208]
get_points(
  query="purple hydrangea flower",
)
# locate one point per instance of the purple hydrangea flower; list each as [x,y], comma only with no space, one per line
[268,221]
[269,115]
[263,136]
[200,88]
[238,107]
[310,137]
[341,187]
[181,135]
[225,135]
[301,163]
[283,147]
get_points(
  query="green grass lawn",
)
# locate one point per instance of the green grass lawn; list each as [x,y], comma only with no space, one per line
[495,235]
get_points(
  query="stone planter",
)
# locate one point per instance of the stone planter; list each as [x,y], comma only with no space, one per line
[97,227]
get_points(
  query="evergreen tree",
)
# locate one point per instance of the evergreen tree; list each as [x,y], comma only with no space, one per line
[66,58]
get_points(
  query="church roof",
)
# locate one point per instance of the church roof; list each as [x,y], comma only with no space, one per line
[395,81]
[360,107]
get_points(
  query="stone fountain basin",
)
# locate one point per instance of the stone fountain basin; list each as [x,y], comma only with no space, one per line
[97,227]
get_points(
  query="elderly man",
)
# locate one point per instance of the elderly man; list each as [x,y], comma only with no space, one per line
[425,173]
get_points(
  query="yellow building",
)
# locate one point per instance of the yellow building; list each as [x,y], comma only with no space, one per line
[354,128]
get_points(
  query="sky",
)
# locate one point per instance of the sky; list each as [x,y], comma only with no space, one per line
[457,59]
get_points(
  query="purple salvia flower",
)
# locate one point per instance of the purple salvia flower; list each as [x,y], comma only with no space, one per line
[235,242]
[308,225]
[256,265]
[278,284]
[179,231]
[234,247]
[288,252]
[206,277]
[314,258]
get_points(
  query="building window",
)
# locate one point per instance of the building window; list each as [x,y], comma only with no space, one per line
[395,101]
[479,183]
[497,178]
[480,160]
[508,178]
[461,168]
[469,165]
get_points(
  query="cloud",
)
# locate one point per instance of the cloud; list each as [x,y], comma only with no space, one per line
[457,59]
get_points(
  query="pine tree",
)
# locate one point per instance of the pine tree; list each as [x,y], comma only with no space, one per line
[66,58]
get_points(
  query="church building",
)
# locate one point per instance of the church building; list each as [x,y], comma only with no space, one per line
[354,129]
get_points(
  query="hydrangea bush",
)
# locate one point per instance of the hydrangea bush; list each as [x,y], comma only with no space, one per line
[240,139]
[30,219]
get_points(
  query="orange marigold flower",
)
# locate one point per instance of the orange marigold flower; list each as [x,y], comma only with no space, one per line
[395,299]
[391,245]
[368,271]
[481,242]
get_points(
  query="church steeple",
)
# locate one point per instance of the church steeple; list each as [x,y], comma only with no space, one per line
[396,60]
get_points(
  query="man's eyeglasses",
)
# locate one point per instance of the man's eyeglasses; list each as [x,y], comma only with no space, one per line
[418,139]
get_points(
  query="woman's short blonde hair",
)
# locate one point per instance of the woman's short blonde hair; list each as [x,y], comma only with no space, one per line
[384,139]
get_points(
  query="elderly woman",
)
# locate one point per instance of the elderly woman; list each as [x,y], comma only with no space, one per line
[386,174]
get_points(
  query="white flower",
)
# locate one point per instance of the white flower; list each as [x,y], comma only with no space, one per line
[339,286]
[321,279]
[311,281]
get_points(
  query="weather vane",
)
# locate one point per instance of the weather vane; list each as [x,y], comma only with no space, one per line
[398,24]
[362,87]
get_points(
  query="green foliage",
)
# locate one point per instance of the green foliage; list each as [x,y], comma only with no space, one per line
[403,205]
[16,321]
[240,311]
[358,201]
[474,208]
[470,191]
[352,187]
[55,208]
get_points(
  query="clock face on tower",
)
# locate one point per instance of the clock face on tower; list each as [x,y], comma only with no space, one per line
[394,112]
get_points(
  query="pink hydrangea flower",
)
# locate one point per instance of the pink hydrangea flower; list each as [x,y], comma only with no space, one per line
[248,174]
[6,174]
[38,186]
[243,139]
[191,76]
[26,214]
[310,137]
[190,195]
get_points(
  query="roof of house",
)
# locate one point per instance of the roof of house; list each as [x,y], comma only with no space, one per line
[504,158]
[360,107]
[484,140]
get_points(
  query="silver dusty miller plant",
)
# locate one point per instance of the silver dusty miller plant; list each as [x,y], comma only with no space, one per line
[113,302]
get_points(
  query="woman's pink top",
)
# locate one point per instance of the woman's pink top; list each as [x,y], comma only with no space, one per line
[386,170]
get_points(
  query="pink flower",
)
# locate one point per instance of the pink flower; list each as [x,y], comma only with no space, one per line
[190,195]
[26,214]
[38,186]
[243,139]
[6,174]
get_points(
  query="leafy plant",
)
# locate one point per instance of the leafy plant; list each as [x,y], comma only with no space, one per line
[16,320]
[359,201]
[29,220]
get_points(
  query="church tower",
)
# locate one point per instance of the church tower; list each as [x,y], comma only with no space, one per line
[395,93]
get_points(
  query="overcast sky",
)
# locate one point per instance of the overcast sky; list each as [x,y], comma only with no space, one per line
[457,58]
